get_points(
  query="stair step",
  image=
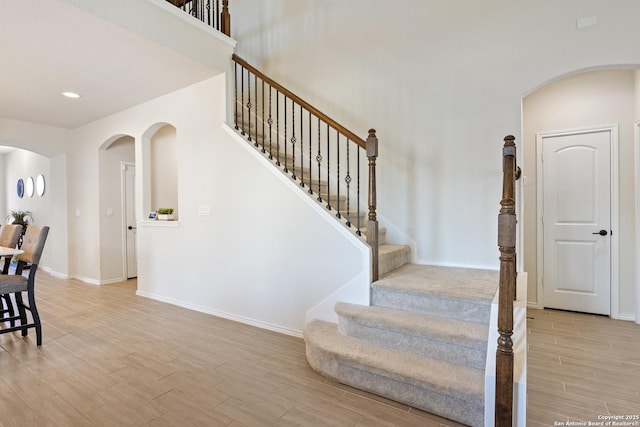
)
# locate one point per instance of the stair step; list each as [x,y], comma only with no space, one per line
[461,293]
[456,341]
[392,257]
[435,386]
[382,233]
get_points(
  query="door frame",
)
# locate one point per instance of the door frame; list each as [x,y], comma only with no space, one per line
[615,206]
[637,187]
[123,177]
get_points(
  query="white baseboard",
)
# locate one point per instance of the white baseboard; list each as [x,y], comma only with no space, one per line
[235,318]
[48,270]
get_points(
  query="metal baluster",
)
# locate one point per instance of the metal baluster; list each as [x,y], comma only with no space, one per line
[319,160]
[255,113]
[310,156]
[285,135]
[293,140]
[328,170]
[338,215]
[347,180]
[208,12]
[249,103]
[277,127]
[270,122]
[263,149]
[242,97]
[235,117]
[216,16]
[358,231]
[301,149]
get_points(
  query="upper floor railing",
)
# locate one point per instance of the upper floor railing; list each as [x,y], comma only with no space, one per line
[331,162]
[507,288]
[212,12]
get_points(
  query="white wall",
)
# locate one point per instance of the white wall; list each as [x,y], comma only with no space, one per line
[592,99]
[442,83]
[265,255]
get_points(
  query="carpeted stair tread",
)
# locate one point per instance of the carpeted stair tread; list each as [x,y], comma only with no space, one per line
[436,386]
[451,282]
[460,332]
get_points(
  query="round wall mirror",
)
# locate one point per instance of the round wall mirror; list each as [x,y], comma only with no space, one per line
[28,187]
[40,185]
[20,188]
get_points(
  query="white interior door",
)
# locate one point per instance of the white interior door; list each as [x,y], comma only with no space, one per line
[576,221]
[129,214]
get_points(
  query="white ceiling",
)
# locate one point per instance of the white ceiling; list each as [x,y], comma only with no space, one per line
[51,46]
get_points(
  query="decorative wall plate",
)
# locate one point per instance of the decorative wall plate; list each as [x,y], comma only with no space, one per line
[40,185]
[28,187]
[20,188]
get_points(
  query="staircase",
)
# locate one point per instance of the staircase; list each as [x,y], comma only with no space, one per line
[422,342]
[423,339]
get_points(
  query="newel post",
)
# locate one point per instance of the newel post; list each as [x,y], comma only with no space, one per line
[225,18]
[372,223]
[507,246]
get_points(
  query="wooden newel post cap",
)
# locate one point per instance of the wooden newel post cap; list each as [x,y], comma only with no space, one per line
[372,144]
[509,140]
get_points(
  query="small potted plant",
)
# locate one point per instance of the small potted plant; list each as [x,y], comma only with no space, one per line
[165,214]
[21,217]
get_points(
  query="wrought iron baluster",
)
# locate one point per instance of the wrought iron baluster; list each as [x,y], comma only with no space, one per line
[242,98]
[328,169]
[347,180]
[310,157]
[263,135]
[216,16]
[293,140]
[319,160]
[285,135]
[338,214]
[235,116]
[255,112]
[358,226]
[277,127]
[270,122]
[208,12]
[249,104]
[301,149]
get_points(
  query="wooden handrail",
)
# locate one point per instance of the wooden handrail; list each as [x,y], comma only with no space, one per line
[507,246]
[326,119]
[284,126]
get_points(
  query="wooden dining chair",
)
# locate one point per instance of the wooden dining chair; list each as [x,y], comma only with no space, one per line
[9,237]
[16,284]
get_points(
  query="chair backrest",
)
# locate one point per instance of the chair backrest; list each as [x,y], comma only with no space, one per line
[10,235]
[33,243]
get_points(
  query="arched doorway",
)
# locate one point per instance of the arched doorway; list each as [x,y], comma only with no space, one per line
[117,207]
[576,103]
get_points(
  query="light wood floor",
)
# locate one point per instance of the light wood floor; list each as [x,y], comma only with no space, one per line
[114,359]
[581,366]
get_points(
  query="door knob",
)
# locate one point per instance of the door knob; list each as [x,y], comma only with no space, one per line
[133,228]
[601,232]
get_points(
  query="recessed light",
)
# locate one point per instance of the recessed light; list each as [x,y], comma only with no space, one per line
[71,95]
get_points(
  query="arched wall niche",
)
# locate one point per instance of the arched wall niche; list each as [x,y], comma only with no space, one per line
[160,164]
[113,153]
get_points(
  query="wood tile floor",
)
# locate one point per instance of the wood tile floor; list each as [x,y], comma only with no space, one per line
[110,358]
[580,367]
